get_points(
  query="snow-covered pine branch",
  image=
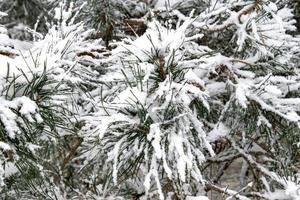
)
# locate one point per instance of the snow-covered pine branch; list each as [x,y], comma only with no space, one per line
[162,99]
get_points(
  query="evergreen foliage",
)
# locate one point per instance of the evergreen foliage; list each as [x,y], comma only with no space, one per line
[152,99]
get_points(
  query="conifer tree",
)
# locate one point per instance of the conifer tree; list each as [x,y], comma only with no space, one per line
[162,99]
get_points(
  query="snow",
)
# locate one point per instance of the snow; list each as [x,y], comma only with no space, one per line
[219,131]
[263,121]
[155,136]
[4,39]
[183,161]
[8,118]
[115,154]
[241,94]
[273,6]
[22,46]
[4,146]
[198,126]
[197,198]
[2,14]
[274,90]
[10,169]
[292,190]
[156,38]
[215,88]
[33,147]
[25,106]
[166,3]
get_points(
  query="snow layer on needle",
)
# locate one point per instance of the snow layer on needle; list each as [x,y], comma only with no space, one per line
[8,118]
[166,3]
[4,146]
[131,95]
[2,14]
[242,93]
[292,190]
[25,106]
[156,39]
[197,198]
[51,52]
[155,136]
[219,131]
